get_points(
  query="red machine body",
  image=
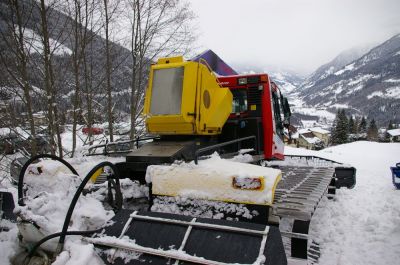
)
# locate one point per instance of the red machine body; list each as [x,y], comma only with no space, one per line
[257,110]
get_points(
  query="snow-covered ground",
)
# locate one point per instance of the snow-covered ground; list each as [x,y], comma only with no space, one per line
[361,226]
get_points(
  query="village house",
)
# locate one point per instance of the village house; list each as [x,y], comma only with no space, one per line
[313,138]
[322,134]
[394,135]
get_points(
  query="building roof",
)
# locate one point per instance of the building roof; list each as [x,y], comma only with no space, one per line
[303,131]
[309,123]
[319,130]
[310,140]
[394,132]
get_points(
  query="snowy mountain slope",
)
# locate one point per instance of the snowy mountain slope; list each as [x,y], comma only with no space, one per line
[367,86]
[286,80]
[333,66]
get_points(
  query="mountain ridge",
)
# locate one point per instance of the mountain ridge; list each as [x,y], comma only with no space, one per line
[367,86]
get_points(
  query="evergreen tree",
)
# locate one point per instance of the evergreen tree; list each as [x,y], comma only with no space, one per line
[340,128]
[372,132]
[363,125]
[357,124]
[352,126]
[390,127]
[333,139]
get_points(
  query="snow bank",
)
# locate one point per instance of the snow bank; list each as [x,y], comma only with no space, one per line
[8,242]
[76,253]
[50,189]
[215,179]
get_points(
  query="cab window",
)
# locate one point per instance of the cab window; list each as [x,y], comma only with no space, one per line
[166,93]
[239,103]
[277,113]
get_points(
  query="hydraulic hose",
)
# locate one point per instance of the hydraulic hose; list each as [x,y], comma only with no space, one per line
[69,233]
[115,203]
[25,167]
[71,208]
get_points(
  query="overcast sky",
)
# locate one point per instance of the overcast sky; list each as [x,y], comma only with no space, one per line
[296,34]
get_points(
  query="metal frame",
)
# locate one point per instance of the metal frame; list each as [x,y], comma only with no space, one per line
[217,146]
[179,254]
[201,225]
[107,145]
[155,252]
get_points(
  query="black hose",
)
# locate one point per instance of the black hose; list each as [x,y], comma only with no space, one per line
[115,203]
[76,197]
[70,233]
[24,168]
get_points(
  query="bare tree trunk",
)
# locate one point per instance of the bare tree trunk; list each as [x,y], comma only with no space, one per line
[47,75]
[108,74]
[133,98]
[58,132]
[78,52]
[76,101]
[134,45]
[54,126]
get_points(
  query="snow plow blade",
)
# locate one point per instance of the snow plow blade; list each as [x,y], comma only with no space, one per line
[215,179]
[160,238]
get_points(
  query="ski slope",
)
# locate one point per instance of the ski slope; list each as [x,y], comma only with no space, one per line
[360,226]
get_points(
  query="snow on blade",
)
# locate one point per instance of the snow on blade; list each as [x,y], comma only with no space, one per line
[215,179]
[202,208]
